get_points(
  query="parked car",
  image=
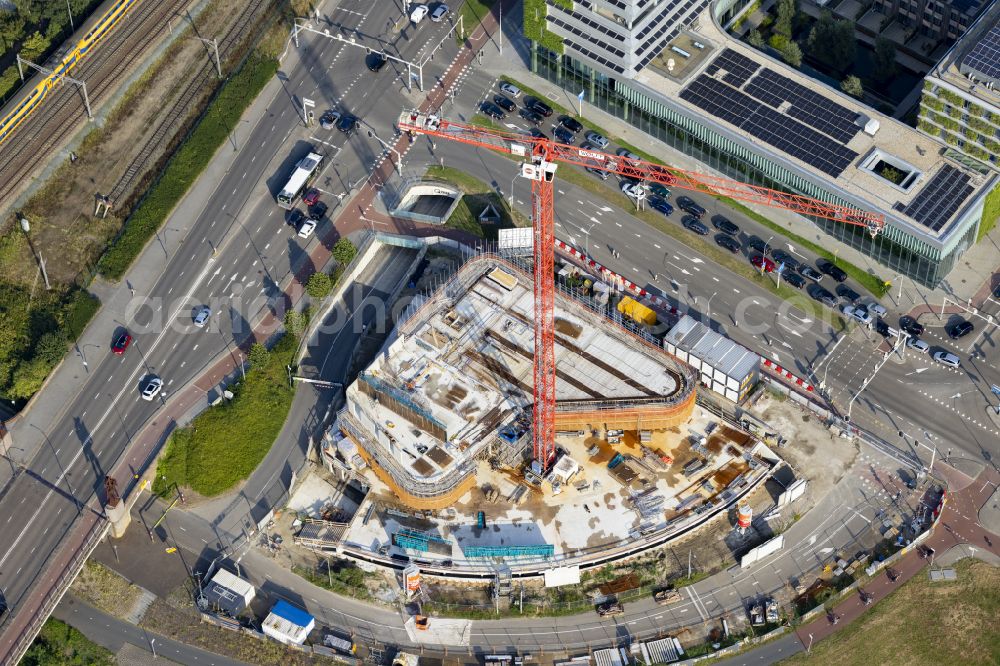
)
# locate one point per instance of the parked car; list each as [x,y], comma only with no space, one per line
[317,211]
[204,313]
[728,242]
[960,329]
[761,262]
[633,189]
[563,135]
[439,12]
[661,204]
[121,343]
[859,314]
[504,103]
[822,295]
[492,110]
[884,329]
[847,293]
[724,225]
[947,358]
[759,245]
[831,269]
[329,119]
[911,325]
[782,257]
[375,61]
[631,157]
[600,173]
[537,133]
[598,140]
[510,89]
[811,273]
[877,309]
[918,344]
[695,225]
[793,279]
[295,217]
[538,106]
[571,123]
[418,13]
[688,205]
[311,197]
[530,116]
[306,228]
[151,387]
[660,190]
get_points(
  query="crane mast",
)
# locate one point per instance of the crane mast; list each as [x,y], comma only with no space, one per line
[540,157]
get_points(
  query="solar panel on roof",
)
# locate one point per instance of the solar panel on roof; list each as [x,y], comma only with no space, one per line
[985,55]
[938,200]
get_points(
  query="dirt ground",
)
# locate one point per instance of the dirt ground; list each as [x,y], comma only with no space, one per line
[63,226]
[105,589]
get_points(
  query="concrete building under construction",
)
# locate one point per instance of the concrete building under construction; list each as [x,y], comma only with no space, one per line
[453,382]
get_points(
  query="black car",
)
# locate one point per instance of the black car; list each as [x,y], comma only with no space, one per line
[317,211]
[782,257]
[538,106]
[530,116]
[847,293]
[295,217]
[564,135]
[660,204]
[832,270]
[694,224]
[793,279]
[537,133]
[504,103]
[759,245]
[823,296]
[347,123]
[724,225]
[688,205]
[728,242]
[570,123]
[811,273]
[492,110]
[911,325]
[375,61]
[960,329]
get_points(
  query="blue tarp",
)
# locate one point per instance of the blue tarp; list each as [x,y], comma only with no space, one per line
[296,616]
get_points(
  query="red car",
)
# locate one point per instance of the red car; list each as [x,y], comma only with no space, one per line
[311,197]
[761,261]
[121,343]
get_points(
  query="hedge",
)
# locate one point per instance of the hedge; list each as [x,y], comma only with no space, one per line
[186,165]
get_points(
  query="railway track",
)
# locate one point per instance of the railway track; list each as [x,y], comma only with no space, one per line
[62,111]
[168,123]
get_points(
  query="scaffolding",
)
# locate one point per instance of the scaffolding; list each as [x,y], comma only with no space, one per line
[418,540]
[544,550]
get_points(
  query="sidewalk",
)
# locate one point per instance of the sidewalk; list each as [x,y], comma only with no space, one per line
[971,278]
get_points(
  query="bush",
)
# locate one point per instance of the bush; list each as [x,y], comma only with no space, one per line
[60,644]
[852,86]
[319,285]
[294,323]
[258,355]
[187,164]
[344,251]
[792,54]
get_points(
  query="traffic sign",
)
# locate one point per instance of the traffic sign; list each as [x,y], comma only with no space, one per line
[995,389]
[171,550]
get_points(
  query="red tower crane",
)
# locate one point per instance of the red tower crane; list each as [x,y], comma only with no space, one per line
[541,156]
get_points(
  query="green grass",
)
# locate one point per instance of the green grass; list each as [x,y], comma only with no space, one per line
[872,283]
[224,444]
[472,12]
[344,578]
[187,164]
[476,196]
[59,644]
[991,213]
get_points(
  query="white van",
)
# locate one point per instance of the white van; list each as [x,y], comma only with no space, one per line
[418,13]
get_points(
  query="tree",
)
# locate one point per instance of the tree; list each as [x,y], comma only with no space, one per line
[258,355]
[319,285]
[832,42]
[344,251]
[787,10]
[34,46]
[792,54]
[51,347]
[852,86]
[778,42]
[885,60]
[11,29]
[755,39]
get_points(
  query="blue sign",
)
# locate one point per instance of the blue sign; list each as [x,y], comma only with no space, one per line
[580,96]
[995,389]
[781,267]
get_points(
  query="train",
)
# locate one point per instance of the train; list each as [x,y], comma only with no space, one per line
[101,28]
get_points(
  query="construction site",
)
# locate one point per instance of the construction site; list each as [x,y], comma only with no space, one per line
[436,432]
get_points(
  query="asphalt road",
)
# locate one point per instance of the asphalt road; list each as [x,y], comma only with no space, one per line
[235,259]
[110,632]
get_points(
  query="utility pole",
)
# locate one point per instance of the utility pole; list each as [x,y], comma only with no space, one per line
[69,10]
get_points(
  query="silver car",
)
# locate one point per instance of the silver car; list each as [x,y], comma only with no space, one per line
[918,344]
[598,140]
[510,90]
[202,317]
[947,358]
[439,13]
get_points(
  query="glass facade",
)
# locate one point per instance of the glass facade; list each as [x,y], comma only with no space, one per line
[900,252]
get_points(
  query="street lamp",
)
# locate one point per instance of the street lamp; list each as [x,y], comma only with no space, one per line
[516,174]
[152,646]
[878,366]
[386,146]
[587,242]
